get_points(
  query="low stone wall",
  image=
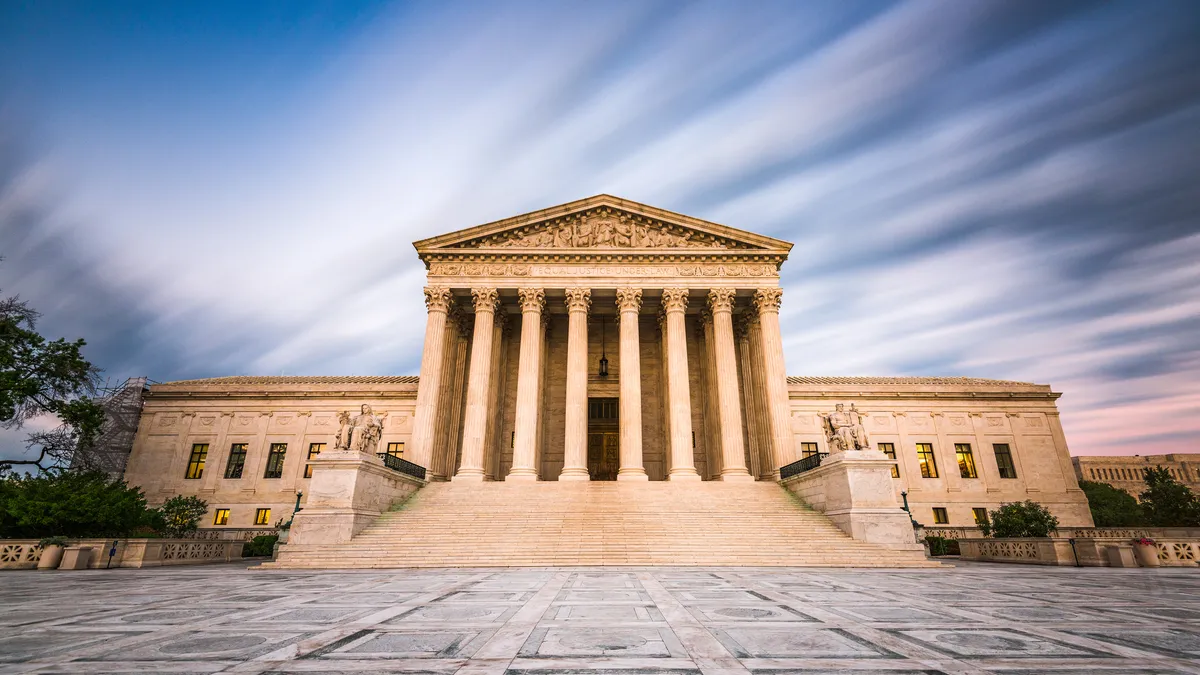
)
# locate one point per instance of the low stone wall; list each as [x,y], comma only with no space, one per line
[1087,552]
[1130,533]
[231,533]
[25,553]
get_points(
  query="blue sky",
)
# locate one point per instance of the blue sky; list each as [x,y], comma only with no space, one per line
[992,189]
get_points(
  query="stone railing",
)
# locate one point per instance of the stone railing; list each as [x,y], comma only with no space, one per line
[231,533]
[1085,552]
[25,553]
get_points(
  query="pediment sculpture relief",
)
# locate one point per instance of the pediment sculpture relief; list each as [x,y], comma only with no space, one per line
[602,228]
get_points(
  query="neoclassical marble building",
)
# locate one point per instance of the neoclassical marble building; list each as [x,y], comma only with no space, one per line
[607,340]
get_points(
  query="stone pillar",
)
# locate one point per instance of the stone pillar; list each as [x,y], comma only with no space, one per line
[491,460]
[741,335]
[664,359]
[579,300]
[733,453]
[762,422]
[708,384]
[779,413]
[429,389]
[479,387]
[679,395]
[533,301]
[629,303]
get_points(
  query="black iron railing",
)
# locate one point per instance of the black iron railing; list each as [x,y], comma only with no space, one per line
[797,468]
[402,465]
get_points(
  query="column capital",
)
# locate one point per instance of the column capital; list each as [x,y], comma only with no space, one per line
[629,299]
[721,299]
[532,299]
[675,299]
[578,299]
[437,298]
[662,319]
[486,299]
[768,299]
[706,317]
[502,321]
[741,325]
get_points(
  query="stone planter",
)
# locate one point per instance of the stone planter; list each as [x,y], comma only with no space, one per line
[1146,554]
[51,557]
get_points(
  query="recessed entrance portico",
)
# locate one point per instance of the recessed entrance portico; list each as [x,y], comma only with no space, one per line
[603,438]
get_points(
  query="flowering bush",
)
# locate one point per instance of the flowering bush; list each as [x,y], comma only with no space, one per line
[1143,541]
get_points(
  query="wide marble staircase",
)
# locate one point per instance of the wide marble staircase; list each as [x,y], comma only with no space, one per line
[505,524]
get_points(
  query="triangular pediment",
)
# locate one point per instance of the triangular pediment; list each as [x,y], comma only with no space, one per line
[602,224]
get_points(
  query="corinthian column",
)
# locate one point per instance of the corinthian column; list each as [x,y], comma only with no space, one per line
[733,453]
[478,386]
[683,466]
[629,303]
[533,300]
[779,413]
[579,300]
[429,387]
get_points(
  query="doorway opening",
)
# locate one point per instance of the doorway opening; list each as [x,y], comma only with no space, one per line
[604,454]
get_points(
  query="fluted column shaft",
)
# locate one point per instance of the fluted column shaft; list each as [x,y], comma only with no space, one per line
[629,304]
[579,300]
[429,388]
[683,466]
[533,300]
[478,386]
[779,413]
[733,452]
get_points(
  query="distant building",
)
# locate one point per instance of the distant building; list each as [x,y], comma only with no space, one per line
[1126,471]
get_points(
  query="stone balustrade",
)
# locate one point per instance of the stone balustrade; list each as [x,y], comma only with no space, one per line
[25,553]
[1086,552]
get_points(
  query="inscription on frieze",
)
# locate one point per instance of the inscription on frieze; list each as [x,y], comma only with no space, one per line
[520,270]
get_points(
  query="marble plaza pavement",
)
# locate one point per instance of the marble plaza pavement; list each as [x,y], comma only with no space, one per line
[603,621]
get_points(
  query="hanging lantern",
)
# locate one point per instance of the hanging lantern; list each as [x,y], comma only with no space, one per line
[603,351]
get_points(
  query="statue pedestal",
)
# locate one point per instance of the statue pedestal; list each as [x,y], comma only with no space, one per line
[854,489]
[347,492]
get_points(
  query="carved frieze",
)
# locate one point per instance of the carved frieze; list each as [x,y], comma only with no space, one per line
[603,228]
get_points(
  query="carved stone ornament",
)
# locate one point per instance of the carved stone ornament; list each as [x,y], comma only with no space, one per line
[721,299]
[437,298]
[602,228]
[675,299]
[844,429]
[532,299]
[578,299]
[629,299]
[768,299]
[486,299]
[706,319]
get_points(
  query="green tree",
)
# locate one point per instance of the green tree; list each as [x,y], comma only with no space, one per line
[69,504]
[1020,519]
[1112,507]
[46,377]
[179,515]
[1166,502]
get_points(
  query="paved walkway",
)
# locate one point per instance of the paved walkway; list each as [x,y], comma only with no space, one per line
[1009,619]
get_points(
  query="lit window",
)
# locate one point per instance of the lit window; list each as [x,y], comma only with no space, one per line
[222,517]
[925,458]
[889,449]
[237,460]
[1004,461]
[275,461]
[395,449]
[939,516]
[314,449]
[808,450]
[981,516]
[966,460]
[262,517]
[195,467]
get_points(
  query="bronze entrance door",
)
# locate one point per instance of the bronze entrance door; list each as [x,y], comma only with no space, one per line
[604,455]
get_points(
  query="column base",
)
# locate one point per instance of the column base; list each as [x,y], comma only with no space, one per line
[737,477]
[685,475]
[633,474]
[577,475]
[522,477]
[461,477]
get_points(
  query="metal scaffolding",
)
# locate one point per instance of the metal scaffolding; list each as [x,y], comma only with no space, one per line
[122,410]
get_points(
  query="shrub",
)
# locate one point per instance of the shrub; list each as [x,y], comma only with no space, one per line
[942,546]
[263,544]
[1167,503]
[70,504]
[179,515]
[1020,519]
[1112,507]
[52,541]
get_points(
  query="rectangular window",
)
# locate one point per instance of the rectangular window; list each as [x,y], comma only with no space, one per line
[314,449]
[966,460]
[981,516]
[939,516]
[222,517]
[928,463]
[807,450]
[237,460]
[1004,460]
[262,517]
[275,461]
[889,449]
[195,468]
[395,449]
